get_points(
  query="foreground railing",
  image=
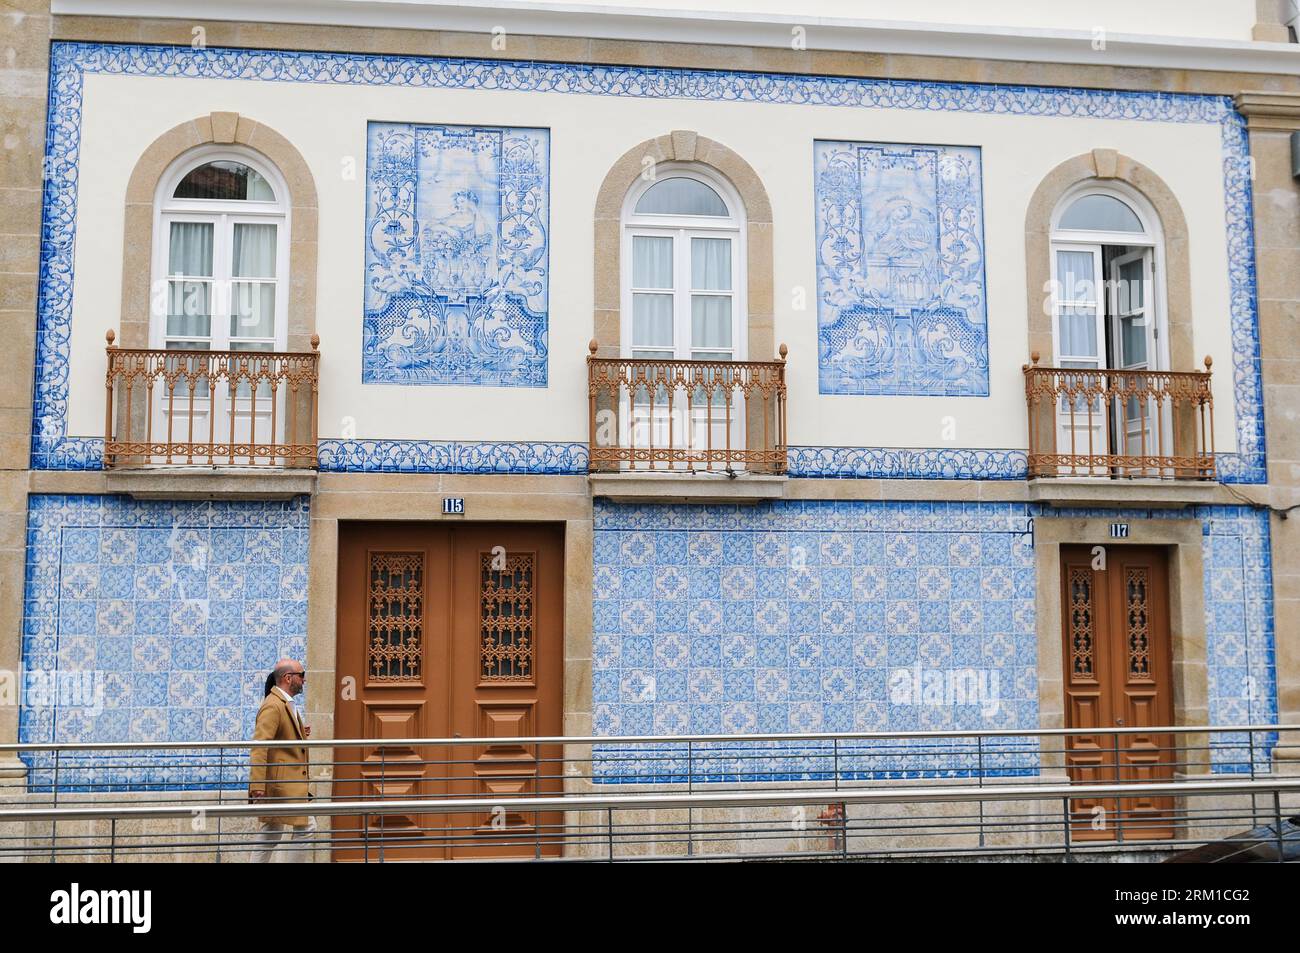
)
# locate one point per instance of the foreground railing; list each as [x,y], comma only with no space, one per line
[687,415]
[211,408]
[1120,423]
[880,795]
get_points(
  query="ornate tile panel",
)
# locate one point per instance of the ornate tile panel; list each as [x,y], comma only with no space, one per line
[457,221]
[156,622]
[900,270]
[54,448]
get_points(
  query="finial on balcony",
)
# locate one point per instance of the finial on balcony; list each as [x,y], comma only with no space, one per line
[593,347]
[783,350]
[1208,362]
[315,342]
[1033,356]
[110,337]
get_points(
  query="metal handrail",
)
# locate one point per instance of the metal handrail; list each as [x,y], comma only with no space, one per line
[646,414]
[647,739]
[155,396]
[656,801]
[1172,411]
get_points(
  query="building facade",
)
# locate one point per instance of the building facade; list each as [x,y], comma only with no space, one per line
[532,375]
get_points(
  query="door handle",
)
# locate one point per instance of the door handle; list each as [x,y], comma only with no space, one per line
[1119,721]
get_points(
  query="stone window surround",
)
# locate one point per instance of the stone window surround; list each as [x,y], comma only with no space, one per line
[1101,166]
[220,128]
[684,146]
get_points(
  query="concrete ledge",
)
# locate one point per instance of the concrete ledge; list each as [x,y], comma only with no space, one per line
[1102,491]
[210,483]
[644,486]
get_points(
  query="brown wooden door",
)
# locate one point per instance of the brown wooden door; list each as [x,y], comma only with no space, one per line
[448,631]
[1118,662]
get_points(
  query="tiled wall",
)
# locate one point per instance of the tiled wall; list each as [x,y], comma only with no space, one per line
[156,622]
[815,616]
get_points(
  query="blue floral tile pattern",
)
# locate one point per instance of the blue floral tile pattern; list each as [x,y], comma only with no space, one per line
[155,622]
[54,448]
[818,616]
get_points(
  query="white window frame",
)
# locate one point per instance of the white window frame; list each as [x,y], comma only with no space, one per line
[682,228]
[1069,239]
[223,215]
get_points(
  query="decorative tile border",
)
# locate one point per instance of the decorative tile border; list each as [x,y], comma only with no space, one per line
[427,456]
[155,622]
[70,61]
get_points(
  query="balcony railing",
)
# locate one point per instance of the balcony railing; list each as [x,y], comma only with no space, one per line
[684,416]
[1120,423]
[211,408]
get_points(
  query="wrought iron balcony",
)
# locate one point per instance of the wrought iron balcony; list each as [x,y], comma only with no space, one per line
[665,416]
[1088,422]
[211,408]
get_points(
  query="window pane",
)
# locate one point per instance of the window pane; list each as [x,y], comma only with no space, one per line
[231,181]
[652,320]
[252,309]
[189,309]
[190,249]
[710,321]
[254,253]
[1077,331]
[681,196]
[1131,290]
[1101,213]
[644,355]
[711,264]
[652,262]
[1133,332]
[1074,270]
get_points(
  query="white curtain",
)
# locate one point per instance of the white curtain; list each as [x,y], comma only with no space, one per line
[711,264]
[252,303]
[189,255]
[652,314]
[1077,324]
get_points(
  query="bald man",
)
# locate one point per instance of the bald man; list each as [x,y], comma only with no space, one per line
[279,774]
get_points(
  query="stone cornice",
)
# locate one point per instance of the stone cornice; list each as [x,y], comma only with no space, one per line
[1270,110]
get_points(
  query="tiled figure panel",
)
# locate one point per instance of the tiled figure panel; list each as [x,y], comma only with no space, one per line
[900,269]
[156,622]
[816,616]
[456,255]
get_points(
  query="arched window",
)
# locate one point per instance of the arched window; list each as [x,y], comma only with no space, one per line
[220,266]
[683,267]
[221,254]
[1107,312]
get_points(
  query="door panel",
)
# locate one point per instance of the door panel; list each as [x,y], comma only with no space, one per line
[448,631]
[1115,629]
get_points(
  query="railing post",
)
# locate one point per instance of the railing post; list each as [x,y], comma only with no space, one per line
[110,336]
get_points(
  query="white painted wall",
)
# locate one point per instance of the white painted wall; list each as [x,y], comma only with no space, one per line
[122,115]
[1209,19]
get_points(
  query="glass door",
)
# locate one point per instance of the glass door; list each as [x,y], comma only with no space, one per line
[683,309]
[1080,342]
[222,277]
[1133,348]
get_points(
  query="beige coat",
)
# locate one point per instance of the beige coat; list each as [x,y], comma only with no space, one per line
[280,773]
